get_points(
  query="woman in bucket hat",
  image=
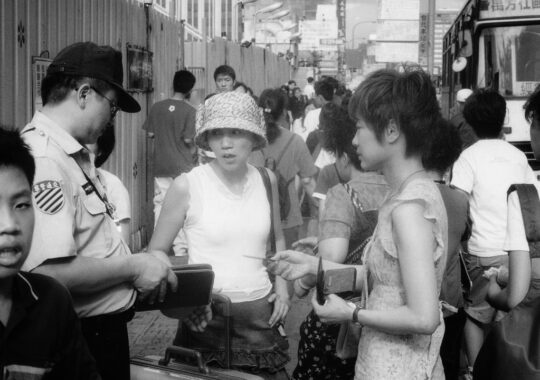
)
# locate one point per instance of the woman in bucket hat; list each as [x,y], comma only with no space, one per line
[224,210]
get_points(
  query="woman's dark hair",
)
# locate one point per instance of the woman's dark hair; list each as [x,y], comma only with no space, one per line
[345,100]
[15,153]
[240,84]
[105,145]
[273,102]
[485,110]
[408,98]
[55,87]
[338,131]
[445,147]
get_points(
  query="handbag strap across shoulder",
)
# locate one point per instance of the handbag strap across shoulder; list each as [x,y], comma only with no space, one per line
[356,254]
[268,187]
[354,198]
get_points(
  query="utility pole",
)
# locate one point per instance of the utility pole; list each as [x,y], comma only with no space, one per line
[431,34]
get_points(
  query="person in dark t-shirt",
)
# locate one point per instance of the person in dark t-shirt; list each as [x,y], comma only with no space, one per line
[171,124]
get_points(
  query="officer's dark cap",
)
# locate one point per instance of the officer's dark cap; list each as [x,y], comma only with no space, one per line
[86,59]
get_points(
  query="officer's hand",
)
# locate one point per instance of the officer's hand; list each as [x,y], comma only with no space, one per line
[151,276]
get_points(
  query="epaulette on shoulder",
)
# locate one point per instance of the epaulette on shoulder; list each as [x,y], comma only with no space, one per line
[36,139]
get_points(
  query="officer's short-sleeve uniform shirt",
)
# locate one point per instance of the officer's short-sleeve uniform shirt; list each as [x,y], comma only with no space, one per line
[70,217]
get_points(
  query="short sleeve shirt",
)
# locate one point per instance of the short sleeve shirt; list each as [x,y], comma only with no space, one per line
[309,91]
[311,122]
[296,160]
[485,171]
[43,338]
[117,193]
[70,217]
[516,239]
[172,121]
[339,218]
[328,178]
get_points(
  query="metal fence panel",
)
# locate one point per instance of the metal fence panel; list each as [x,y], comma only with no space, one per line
[30,28]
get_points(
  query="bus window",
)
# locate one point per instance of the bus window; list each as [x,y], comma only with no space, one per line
[528,55]
[511,58]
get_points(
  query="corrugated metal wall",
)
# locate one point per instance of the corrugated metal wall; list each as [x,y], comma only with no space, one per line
[254,66]
[30,28]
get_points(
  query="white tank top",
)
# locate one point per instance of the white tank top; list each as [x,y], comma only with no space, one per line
[221,227]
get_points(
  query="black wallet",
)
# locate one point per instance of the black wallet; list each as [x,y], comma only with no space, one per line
[195,282]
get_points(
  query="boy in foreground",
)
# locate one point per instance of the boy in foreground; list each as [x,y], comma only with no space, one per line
[40,335]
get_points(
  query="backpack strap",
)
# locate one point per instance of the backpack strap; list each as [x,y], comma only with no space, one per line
[356,255]
[280,156]
[268,186]
[358,208]
[530,209]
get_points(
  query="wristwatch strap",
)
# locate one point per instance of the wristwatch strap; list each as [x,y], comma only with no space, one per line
[355,314]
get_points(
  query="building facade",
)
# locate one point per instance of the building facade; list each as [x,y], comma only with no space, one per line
[443,21]
[204,18]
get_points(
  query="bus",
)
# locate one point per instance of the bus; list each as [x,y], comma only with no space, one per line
[496,44]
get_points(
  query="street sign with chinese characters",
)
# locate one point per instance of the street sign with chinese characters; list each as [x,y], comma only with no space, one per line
[506,8]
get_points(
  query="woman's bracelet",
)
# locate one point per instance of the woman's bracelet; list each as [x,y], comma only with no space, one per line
[357,308]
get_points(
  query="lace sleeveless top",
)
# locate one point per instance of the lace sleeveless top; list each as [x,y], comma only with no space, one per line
[411,356]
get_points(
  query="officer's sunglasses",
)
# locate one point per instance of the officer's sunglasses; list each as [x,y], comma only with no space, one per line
[112,103]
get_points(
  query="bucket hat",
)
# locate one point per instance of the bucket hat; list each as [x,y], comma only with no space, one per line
[86,59]
[230,110]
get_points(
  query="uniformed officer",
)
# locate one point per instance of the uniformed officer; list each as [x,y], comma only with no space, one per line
[75,239]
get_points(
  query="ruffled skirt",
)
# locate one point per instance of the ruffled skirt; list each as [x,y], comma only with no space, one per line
[255,346]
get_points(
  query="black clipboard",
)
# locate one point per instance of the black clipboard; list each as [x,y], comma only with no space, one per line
[195,282]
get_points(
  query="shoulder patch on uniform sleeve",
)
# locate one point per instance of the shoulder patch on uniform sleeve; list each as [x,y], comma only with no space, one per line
[48,196]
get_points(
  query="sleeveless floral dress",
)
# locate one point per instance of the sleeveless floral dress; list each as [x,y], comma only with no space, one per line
[411,356]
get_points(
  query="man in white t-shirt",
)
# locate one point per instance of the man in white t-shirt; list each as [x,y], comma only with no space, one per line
[324,93]
[485,171]
[310,132]
[520,282]
[309,90]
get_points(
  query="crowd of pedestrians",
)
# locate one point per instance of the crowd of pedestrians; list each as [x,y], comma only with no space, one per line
[435,218]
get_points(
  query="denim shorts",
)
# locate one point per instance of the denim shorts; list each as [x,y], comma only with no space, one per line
[256,347]
[476,305]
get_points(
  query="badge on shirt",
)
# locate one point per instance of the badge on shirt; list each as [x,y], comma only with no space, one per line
[172,108]
[49,196]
